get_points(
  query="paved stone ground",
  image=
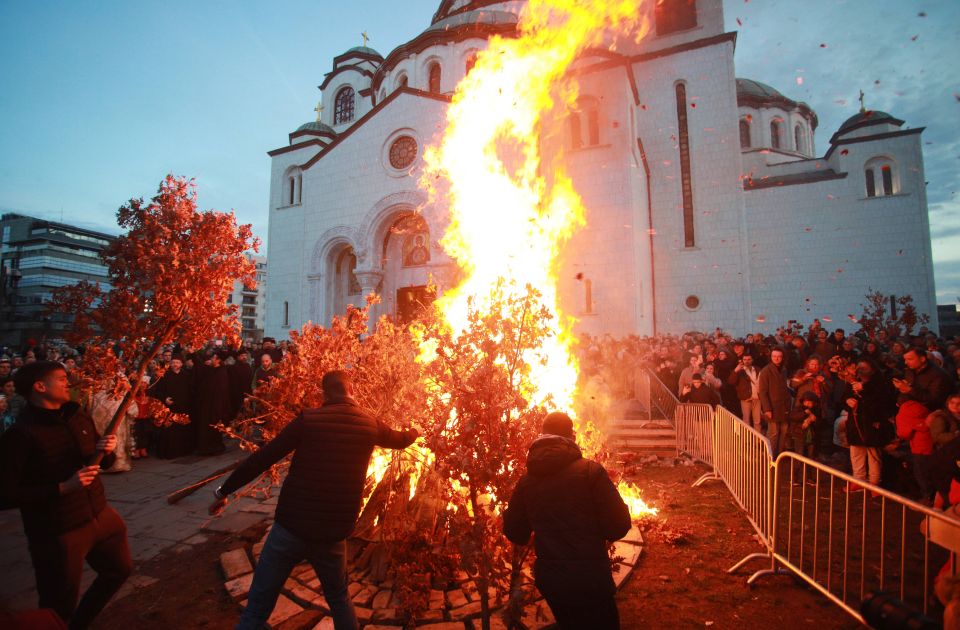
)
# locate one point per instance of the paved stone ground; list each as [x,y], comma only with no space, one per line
[152,525]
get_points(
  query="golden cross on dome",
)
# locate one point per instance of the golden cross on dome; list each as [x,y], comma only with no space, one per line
[366,38]
[318,109]
[863,107]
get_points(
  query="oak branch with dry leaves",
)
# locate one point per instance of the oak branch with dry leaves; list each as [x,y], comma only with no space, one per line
[171,273]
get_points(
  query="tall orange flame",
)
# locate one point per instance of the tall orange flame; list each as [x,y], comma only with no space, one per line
[510,212]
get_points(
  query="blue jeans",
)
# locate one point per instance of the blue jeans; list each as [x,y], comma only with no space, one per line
[281,552]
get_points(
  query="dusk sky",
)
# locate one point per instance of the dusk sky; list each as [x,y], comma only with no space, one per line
[101,99]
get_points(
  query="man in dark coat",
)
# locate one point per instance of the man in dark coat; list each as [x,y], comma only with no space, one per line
[699,392]
[320,499]
[926,383]
[775,400]
[574,510]
[62,503]
[211,404]
[241,381]
[175,390]
[868,421]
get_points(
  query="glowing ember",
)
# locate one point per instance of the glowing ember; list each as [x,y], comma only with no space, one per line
[509,212]
[631,496]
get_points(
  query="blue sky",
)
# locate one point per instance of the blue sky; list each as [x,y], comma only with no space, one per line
[101,99]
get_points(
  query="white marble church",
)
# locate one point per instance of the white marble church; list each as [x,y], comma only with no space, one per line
[707,202]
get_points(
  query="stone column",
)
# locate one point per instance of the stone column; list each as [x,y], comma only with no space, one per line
[370,281]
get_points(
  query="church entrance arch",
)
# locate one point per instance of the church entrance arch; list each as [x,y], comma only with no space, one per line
[406,263]
[344,288]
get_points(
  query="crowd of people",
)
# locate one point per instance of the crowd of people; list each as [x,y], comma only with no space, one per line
[208,387]
[878,406]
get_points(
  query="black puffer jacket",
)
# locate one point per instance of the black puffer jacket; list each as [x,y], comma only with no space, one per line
[321,496]
[46,447]
[573,509]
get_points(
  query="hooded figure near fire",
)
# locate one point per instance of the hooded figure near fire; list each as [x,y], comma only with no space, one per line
[575,510]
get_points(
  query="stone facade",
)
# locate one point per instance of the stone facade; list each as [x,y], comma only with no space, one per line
[766,232]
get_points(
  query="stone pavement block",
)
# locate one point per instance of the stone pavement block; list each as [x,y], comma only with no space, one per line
[143,548]
[320,602]
[364,615]
[387,615]
[630,553]
[378,626]
[633,536]
[436,599]
[233,523]
[302,621]
[382,599]
[466,611]
[235,563]
[364,596]
[430,616]
[325,624]
[284,609]
[197,539]
[456,598]
[446,625]
[259,508]
[301,593]
[239,587]
[354,588]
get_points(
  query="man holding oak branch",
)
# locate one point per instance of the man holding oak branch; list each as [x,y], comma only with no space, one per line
[65,513]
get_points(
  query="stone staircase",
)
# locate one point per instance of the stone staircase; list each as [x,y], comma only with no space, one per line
[633,430]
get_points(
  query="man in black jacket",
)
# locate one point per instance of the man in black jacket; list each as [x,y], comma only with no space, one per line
[925,382]
[65,513]
[320,499]
[574,509]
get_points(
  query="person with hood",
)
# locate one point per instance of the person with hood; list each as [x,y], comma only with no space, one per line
[573,510]
[805,420]
[699,392]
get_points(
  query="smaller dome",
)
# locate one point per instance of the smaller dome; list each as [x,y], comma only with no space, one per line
[364,50]
[749,87]
[868,117]
[318,127]
[474,17]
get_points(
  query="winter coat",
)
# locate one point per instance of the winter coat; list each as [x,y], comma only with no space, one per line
[43,449]
[774,393]
[742,383]
[178,386]
[875,407]
[323,492]
[929,387]
[912,426]
[703,394]
[573,509]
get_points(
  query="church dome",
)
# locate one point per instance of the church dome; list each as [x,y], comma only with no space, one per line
[362,50]
[757,95]
[755,89]
[474,17]
[317,127]
[450,8]
[866,118]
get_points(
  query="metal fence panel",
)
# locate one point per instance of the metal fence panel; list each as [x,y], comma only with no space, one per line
[694,425]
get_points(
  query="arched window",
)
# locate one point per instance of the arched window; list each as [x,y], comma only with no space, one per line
[402,81]
[798,142]
[881,177]
[587,110]
[292,187]
[471,62]
[435,75]
[776,141]
[686,179]
[344,106]
[744,133]
[299,187]
[291,190]
[286,313]
[675,15]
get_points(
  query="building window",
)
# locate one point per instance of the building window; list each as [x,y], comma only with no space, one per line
[292,187]
[286,313]
[881,177]
[692,303]
[675,15]
[775,139]
[686,180]
[587,109]
[435,75]
[798,138]
[344,106]
[300,188]
[744,133]
[471,62]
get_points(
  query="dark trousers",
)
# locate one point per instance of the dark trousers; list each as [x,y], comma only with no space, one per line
[598,612]
[58,566]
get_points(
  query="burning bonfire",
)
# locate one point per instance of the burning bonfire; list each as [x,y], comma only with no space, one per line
[478,374]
